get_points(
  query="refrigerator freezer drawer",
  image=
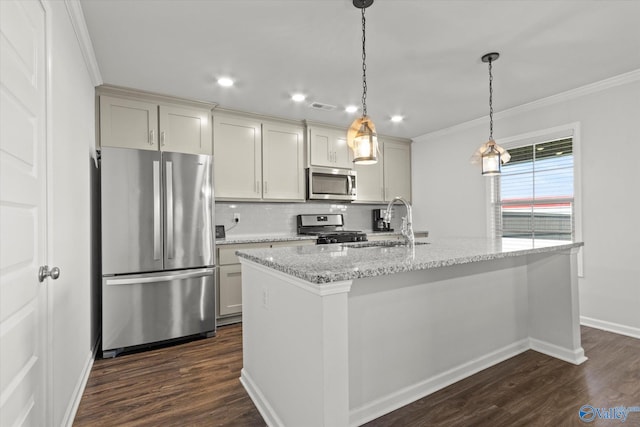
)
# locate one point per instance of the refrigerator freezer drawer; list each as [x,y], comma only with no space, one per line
[147,308]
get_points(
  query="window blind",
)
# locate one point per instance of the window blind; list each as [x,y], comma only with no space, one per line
[535,192]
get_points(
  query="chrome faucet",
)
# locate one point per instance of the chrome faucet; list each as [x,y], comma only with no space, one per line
[407,221]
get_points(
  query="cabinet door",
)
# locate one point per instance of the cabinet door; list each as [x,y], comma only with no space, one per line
[397,170]
[128,124]
[342,157]
[321,147]
[237,158]
[230,300]
[370,182]
[185,130]
[282,162]
[328,147]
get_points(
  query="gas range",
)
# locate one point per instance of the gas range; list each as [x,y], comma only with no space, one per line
[328,228]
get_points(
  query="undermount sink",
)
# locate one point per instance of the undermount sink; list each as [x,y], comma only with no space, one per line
[382,244]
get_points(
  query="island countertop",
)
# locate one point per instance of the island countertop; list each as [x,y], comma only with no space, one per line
[337,262]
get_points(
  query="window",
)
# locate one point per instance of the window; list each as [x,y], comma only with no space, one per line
[534,195]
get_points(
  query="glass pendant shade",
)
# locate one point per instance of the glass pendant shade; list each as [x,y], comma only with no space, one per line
[491,164]
[363,141]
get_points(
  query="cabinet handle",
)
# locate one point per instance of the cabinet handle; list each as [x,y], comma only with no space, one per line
[152,137]
[265,187]
[258,187]
[162,138]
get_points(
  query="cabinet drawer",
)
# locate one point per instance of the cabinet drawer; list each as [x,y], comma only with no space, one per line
[227,254]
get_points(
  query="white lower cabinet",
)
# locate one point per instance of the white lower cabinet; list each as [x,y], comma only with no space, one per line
[230,285]
[229,281]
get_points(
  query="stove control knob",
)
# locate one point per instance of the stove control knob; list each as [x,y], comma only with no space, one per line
[334,240]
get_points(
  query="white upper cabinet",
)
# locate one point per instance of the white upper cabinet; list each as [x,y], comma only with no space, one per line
[328,147]
[127,123]
[397,170]
[135,119]
[388,178]
[257,159]
[370,180]
[282,162]
[237,157]
[185,130]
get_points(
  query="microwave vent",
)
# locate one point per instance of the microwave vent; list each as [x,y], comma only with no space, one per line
[321,106]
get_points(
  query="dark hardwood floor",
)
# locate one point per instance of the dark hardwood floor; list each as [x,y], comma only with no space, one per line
[196,384]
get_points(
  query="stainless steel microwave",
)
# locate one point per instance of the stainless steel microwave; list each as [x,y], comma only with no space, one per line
[331,184]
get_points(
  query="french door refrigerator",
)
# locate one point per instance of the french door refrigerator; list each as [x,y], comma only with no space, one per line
[158,263]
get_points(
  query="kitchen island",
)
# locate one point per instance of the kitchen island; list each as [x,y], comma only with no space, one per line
[338,335]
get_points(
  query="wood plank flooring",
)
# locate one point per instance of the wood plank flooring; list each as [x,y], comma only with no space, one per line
[196,384]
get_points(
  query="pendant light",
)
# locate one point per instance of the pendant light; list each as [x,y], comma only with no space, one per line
[361,136]
[491,154]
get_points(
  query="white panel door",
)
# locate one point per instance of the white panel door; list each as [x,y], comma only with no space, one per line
[23,216]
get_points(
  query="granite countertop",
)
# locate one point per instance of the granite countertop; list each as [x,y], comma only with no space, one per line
[260,238]
[331,263]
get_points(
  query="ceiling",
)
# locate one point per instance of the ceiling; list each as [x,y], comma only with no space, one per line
[423,56]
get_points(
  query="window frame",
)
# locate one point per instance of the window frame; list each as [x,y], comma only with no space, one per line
[570,130]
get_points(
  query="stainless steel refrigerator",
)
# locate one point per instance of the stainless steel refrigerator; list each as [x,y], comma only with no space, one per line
[158,263]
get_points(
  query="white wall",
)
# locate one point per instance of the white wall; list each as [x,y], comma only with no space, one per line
[449,193]
[72,134]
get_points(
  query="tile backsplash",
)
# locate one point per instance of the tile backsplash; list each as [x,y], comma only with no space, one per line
[280,218]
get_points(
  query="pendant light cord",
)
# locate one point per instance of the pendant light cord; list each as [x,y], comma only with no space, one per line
[490,102]
[364,66]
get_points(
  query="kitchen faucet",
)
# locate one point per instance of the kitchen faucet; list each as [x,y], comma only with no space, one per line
[407,221]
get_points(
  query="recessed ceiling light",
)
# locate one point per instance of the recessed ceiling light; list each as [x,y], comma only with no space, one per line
[298,97]
[397,119]
[225,81]
[351,109]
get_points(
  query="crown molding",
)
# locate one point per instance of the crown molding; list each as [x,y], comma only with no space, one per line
[622,79]
[74,9]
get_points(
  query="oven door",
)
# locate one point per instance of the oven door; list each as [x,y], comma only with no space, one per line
[331,184]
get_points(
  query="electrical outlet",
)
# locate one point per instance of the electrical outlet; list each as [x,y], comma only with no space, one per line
[236,217]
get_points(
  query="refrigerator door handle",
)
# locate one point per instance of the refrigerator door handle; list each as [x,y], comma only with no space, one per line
[157,250]
[115,281]
[170,225]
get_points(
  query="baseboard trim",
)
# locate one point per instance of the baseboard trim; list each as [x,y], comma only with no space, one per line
[616,328]
[265,409]
[575,357]
[377,408]
[78,391]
